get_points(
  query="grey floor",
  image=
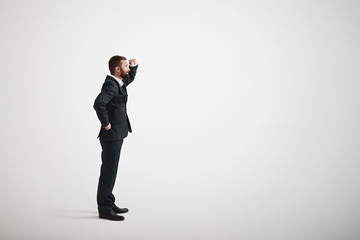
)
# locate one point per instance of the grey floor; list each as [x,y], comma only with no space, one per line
[200,197]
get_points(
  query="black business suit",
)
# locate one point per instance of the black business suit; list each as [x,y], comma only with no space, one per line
[110,107]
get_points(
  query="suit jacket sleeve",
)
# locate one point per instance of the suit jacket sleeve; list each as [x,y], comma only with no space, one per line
[104,97]
[132,75]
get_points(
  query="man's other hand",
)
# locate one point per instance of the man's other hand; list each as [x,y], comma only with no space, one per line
[108,127]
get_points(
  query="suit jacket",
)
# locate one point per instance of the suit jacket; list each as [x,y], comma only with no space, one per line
[110,107]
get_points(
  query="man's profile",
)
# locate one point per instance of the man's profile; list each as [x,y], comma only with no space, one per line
[110,107]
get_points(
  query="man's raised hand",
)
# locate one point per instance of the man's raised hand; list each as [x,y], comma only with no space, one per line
[132,62]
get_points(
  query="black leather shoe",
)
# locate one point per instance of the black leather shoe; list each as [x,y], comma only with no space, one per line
[116,209]
[111,215]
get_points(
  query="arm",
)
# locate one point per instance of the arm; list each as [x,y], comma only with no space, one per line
[104,97]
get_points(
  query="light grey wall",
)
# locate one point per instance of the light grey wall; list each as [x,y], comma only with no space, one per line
[245,117]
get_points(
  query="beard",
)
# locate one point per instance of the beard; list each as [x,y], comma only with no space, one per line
[123,75]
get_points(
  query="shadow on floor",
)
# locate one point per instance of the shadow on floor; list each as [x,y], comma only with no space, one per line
[74,213]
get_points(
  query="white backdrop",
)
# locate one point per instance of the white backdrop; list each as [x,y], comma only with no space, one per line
[245,118]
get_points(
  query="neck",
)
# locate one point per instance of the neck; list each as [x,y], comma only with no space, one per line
[118,76]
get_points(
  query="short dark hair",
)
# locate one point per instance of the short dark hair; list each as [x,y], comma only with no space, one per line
[114,62]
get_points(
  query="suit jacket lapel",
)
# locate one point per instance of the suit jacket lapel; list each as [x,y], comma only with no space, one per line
[122,90]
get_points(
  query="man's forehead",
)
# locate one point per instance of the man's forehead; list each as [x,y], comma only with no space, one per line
[124,62]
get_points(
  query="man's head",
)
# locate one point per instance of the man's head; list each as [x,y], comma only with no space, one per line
[119,67]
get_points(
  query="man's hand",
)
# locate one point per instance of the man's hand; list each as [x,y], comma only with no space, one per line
[132,62]
[108,127]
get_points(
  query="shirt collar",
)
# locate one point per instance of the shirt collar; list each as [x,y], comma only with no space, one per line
[117,79]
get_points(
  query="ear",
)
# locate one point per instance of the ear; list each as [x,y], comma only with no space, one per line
[117,69]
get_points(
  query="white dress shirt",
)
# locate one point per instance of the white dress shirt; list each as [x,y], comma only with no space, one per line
[117,79]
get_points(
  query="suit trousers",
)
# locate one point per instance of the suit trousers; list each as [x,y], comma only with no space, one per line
[110,160]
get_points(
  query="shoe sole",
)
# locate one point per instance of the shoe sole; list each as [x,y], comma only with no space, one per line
[112,219]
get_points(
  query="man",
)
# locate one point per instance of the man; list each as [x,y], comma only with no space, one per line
[110,107]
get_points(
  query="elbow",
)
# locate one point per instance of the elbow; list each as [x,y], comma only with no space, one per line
[96,105]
